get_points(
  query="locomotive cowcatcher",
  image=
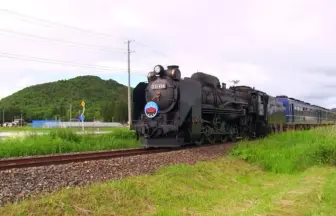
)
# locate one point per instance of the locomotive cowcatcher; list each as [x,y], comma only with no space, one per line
[169,111]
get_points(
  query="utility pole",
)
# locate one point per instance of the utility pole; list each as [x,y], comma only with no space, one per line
[3,116]
[129,82]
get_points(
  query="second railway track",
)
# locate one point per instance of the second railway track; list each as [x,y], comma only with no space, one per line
[69,158]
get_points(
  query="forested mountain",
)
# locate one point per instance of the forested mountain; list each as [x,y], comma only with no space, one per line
[105,100]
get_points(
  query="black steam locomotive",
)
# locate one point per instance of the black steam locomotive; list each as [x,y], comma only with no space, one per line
[169,111]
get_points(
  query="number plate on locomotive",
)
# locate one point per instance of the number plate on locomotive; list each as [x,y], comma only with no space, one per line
[159,86]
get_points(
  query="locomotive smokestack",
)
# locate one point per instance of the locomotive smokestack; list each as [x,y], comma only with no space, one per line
[171,67]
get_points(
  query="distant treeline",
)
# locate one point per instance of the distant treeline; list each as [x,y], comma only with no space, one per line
[106,100]
[109,112]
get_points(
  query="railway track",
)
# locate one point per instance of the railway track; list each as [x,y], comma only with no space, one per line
[69,158]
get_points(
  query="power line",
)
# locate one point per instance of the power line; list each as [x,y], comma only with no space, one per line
[44,22]
[144,45]
[60,40]
[40,21]
[60,62]
[55,61]
[28,18]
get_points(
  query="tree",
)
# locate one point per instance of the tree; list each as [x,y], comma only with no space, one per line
[44,101]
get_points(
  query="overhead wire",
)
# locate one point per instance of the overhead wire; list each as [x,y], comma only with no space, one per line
[48,23]
[22,34]
[144,45]
[40,21]
[60,62]
[29,18]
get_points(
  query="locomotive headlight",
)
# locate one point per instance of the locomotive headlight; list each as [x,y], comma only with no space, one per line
[158,69]
[171,73]
[174,73]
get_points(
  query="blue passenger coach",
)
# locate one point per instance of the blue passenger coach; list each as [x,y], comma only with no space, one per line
[302,114]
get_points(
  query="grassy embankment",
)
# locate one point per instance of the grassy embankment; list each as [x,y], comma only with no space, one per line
[66,141]
[31,129]
[286,174]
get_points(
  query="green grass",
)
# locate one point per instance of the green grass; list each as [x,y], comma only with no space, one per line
[291,151]
[66,141]
[286,174]
[31,129]
[226,186]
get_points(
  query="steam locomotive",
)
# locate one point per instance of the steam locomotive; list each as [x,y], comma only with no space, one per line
[169,111]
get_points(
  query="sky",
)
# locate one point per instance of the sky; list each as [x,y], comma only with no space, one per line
[285,47]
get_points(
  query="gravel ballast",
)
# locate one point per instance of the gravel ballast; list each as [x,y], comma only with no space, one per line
[17,184]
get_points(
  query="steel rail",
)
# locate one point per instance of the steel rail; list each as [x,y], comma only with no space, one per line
[75,157]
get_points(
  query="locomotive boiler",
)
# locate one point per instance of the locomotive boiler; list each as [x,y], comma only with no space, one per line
[169,111]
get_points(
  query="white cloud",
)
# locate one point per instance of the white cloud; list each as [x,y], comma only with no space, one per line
[281,47]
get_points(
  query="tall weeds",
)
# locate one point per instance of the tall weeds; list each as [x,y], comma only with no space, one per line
[291,152]
[66,141]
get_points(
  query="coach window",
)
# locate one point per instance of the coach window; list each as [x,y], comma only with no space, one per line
[261,98]
[294,110]
[301,112]
[297,111]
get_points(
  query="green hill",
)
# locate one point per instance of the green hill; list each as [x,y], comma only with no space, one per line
[104,99]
